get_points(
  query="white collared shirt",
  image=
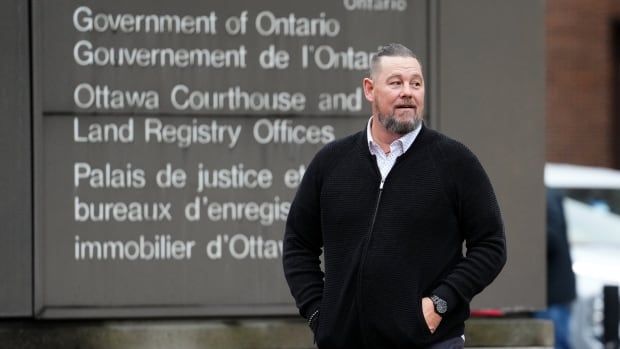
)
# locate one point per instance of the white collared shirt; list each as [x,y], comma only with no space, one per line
[385,162]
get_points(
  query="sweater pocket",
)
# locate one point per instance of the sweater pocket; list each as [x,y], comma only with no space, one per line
[421,322]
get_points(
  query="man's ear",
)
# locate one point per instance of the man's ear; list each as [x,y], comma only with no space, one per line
[368,89]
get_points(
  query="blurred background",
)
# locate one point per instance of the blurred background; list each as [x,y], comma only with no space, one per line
[531,86]
[583,124]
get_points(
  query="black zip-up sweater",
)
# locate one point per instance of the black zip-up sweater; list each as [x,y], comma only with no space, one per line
[387,248]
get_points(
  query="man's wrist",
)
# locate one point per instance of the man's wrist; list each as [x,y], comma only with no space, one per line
[448,294]
[440,305]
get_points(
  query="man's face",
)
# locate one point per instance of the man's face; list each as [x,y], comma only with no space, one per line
[396,91]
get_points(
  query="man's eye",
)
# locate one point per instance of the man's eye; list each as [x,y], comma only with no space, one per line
[395,83]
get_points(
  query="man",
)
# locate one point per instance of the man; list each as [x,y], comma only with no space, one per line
[561,287]
[390,208]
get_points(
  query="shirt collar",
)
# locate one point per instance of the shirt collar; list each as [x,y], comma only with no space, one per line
[404,142]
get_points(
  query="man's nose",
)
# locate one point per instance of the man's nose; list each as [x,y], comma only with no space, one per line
[406,91]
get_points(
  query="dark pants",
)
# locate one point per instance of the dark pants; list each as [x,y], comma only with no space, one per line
[453,343]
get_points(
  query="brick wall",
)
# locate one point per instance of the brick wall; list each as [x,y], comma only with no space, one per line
[580,127]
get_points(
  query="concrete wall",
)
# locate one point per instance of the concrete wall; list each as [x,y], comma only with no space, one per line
[250,334]
[491,96]
[15,162]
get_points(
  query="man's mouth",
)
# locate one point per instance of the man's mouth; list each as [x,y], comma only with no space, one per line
[405,106]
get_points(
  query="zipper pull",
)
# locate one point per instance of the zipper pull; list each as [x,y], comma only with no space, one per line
[381,184]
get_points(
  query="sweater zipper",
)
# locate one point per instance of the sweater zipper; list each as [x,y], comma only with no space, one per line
[364,253]
[372,223]
[374,215]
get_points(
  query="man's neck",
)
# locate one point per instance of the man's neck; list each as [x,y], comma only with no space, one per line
[382,136]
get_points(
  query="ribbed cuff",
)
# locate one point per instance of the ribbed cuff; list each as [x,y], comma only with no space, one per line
[448,294]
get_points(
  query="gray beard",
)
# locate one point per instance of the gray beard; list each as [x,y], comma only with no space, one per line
[399,127]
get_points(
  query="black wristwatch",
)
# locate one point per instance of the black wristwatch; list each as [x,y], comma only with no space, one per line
[441,306]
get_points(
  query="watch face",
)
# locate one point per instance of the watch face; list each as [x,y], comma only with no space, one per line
[441,306]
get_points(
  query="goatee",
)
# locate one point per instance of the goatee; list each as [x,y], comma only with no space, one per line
[399,127]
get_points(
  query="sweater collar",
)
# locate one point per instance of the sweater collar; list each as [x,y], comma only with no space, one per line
[403,143]
[423,138]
